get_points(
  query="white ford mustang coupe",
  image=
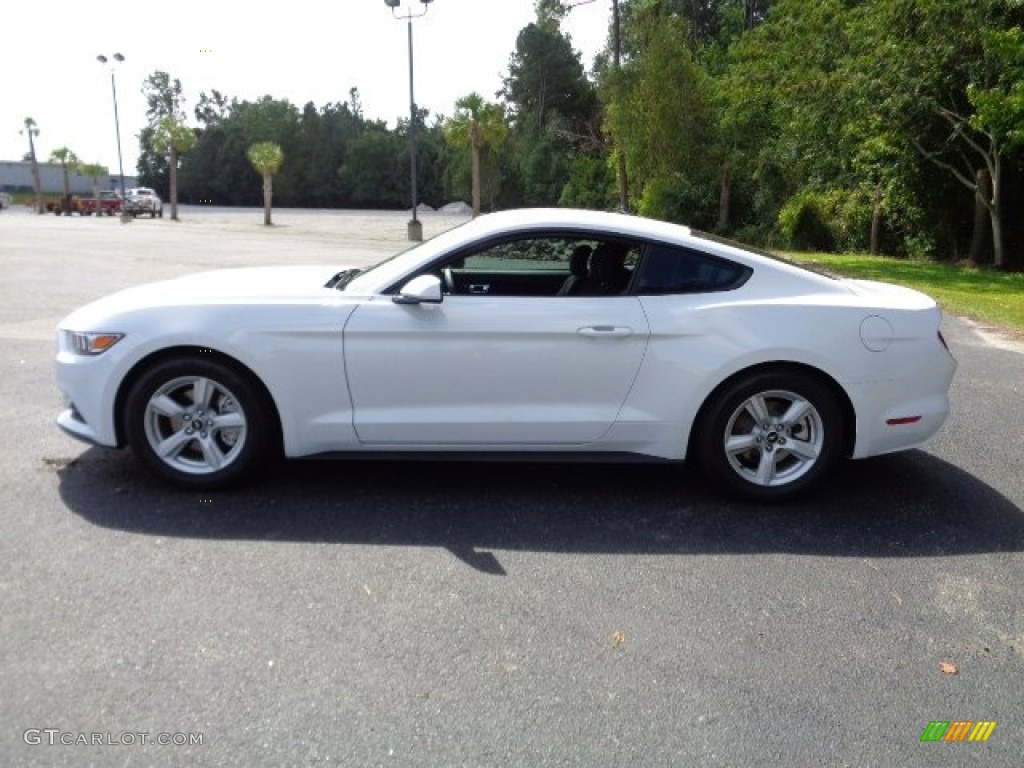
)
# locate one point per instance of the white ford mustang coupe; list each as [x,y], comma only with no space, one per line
[547,333]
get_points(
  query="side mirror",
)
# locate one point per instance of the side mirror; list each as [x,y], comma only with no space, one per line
[425,289]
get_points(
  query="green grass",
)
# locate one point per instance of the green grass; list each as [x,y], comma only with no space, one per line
[986,295]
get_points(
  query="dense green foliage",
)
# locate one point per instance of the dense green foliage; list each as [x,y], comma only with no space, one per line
[886,125]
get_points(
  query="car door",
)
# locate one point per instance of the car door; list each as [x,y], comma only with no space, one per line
[487,369]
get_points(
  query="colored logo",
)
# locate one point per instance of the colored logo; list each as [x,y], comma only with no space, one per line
[958,730]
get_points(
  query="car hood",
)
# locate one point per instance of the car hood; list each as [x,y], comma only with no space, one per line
[303,284]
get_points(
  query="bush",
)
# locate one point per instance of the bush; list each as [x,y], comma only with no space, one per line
[838,219]
[804,223]
[591,184]
[678,199]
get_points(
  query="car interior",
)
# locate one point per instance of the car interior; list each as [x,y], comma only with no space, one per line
[585,266]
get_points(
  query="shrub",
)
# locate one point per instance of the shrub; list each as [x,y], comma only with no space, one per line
[837,219]
[803,222]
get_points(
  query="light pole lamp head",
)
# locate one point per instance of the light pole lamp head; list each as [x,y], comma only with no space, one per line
[101,59]
[119,58]
[392,3]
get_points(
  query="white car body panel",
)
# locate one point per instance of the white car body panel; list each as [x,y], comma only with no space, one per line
[493,370]
[480,373]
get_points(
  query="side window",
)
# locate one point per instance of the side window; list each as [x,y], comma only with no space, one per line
[539,254]
[544,265]
[668,269]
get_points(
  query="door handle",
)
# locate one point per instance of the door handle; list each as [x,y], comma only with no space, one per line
[605,331]
[480,288]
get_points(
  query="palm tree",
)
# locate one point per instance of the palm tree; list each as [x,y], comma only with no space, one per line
[175,138]
[94,171]
[67,159]
[476,124]
[266,157]
[32,130]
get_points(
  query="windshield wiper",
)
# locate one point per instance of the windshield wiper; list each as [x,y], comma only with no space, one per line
[343,278]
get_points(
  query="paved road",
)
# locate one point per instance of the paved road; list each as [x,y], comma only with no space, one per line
[435,614]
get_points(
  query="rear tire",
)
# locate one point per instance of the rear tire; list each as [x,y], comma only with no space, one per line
[198,422]
[770,436]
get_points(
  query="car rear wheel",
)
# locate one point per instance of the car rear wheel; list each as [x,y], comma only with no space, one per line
[771,435]
[197,422]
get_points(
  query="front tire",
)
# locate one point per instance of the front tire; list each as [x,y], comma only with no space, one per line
[198,422]
[771,436]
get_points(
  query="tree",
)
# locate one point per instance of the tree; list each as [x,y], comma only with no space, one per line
[163,101]
[163,97]
[266,157]
[476,124]
[67,160]
[951,86]
[94,171]
[31,130]
[658,110]
[371,174]
[546,83]
[173,138]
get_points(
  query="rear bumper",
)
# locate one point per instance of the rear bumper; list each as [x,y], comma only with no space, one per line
[904,413]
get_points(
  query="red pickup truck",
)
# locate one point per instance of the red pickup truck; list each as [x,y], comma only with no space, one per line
[110,203]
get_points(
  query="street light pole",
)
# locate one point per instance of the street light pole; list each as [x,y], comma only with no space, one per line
[415,227]
[125,216]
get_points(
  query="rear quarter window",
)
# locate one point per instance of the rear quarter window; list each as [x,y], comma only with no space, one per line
[666,269]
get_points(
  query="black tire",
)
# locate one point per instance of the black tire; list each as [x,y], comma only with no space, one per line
[202,455]
[782,461]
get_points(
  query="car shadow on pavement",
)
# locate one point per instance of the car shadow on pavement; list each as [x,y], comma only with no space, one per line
[905,505]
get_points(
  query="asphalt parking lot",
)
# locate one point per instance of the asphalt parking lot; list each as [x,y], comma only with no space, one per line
[448,614]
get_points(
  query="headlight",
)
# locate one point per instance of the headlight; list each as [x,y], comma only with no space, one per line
[89,343]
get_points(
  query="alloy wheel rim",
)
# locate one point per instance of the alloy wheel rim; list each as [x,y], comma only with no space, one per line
[774,438]
[195,425]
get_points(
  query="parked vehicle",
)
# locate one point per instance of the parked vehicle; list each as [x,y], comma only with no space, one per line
[5,200]
[63,204]
[536,332]
[142,200]
[110,203]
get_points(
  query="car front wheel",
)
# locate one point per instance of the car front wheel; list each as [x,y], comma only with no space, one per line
[197,422]
[771,435]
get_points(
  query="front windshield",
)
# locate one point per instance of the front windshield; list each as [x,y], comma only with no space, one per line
[384,273]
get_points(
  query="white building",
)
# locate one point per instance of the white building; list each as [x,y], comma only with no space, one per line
[16,176]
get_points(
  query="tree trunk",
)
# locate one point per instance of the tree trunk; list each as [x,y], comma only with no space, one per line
[620,158]
[174,185]
[875,245]
[724,198]
[979,236]
[268,194]
[997,240]
[476,180]
[66,200]
[36,183]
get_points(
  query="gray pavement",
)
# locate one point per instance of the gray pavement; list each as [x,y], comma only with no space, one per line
[429,614]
